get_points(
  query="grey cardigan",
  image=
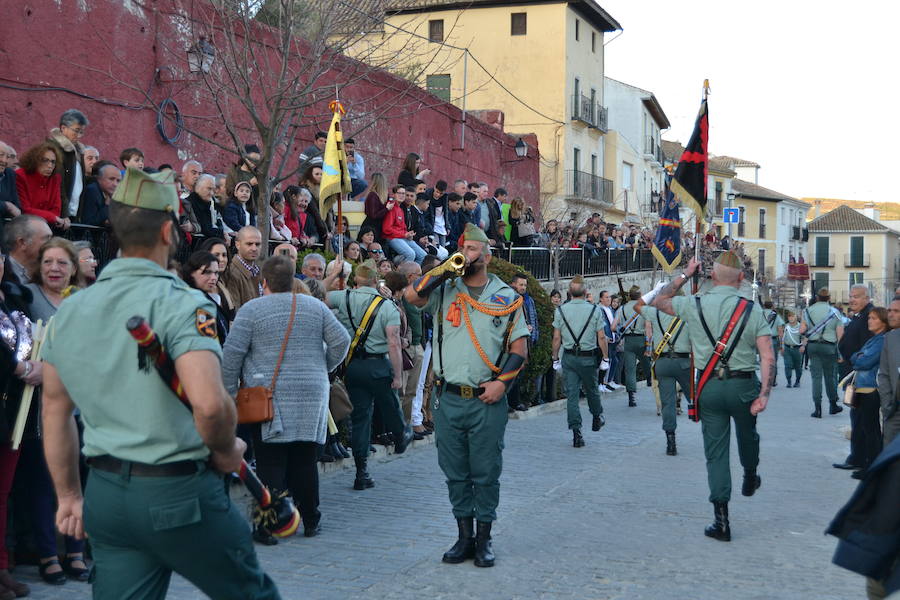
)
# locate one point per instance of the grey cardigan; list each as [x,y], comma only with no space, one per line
[317,344]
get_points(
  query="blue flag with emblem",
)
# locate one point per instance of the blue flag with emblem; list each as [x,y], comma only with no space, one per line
[667,245]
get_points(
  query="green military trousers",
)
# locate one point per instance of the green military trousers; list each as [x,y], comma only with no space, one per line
[670,371]
[469,438]
[823,369]
[793,363]
[580,372]
[368,381]
[634,352]
[720,402]
[144,528]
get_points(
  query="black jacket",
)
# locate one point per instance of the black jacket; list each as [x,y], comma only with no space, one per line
[94,209]
[856,334]
[869,525]
[210,222]
[16,298]
[494,215]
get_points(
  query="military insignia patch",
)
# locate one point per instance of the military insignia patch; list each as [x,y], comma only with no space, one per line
[498,299]
[206,324]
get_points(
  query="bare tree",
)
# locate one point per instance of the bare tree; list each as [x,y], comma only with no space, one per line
[266,70]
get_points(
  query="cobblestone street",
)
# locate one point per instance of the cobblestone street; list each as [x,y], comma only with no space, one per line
[615,519]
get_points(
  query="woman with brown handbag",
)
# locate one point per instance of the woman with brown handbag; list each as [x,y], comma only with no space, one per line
[282,346]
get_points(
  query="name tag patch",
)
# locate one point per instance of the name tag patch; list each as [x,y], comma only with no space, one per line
[206,323]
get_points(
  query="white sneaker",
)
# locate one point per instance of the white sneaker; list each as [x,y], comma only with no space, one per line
[603,389]
[615,385]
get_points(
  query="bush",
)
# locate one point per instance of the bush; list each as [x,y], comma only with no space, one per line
[539,355]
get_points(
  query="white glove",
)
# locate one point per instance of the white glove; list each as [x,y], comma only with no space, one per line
[604,364]
[649,296]
[557,365]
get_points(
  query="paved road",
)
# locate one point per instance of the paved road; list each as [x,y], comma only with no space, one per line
[615,519]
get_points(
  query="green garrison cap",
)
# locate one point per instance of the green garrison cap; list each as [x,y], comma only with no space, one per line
[472,233]
[153,191]
[730,259]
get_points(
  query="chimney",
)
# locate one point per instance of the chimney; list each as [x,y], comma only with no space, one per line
[870,210]
[818,208]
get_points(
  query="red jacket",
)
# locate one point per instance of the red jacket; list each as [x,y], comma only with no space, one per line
[394,224]
[39,195]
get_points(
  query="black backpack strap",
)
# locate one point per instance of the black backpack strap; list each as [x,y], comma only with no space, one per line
[440,334]
[577,338]
[706,330]
[349,312]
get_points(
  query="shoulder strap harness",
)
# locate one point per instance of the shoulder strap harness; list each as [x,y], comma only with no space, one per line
[365,326]
[577,345]
[669,337]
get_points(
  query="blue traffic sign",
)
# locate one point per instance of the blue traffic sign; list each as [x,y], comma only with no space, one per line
[731,215]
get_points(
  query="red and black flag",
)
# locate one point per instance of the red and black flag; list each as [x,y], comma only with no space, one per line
[667,245]
[689,184]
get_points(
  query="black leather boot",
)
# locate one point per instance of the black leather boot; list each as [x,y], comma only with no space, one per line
[577,439]
[363,479]
[671,450]
[720,529]
[631,401]
[405,439]
[484,554]
[597,423]
[817,413]
[752,481]
[464,548]
[835,408]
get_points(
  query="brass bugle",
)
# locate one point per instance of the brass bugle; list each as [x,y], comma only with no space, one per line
[456,262]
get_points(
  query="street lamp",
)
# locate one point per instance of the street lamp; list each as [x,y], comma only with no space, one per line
[521,148]
[201,56]
[730,198]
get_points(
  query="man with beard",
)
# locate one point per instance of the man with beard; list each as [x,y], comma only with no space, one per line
[480,347]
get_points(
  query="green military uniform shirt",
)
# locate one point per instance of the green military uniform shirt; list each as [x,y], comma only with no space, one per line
[457,361]
[718,305]
[577,313]
[776,322]
[131,413]
[414,319]
[660,322]
[625,314]
[815,314]
[360,299]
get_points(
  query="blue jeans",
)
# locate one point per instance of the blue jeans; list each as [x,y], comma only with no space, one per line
[408,249]
[357,187]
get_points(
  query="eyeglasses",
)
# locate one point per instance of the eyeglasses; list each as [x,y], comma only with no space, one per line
[377,251]
[48,161]
[79,131]
[92,261]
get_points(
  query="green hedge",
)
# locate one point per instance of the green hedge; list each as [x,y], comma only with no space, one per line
[539,357]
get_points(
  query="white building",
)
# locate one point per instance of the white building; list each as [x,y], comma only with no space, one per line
[633,157]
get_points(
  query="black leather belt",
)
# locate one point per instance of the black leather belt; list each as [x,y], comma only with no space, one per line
[634,335]
[821,342]
[581,352]
[464,391]
[740,375]
[790,346]
[115,465]
[675,355]
[367,355]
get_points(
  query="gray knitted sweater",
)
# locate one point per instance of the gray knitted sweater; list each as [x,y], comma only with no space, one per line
[318,343]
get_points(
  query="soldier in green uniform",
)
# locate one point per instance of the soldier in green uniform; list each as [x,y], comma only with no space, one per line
[636,337]
[155,500]
[374,366]
[728,386]
[776,324]
[823,328]
[480,346]
[672,364]
[578,329]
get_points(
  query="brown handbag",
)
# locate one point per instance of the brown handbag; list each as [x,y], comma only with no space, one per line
[254,404]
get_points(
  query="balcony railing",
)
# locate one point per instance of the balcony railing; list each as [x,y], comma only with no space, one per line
[857,260]
[570,262]
[804,235]
[589,112]
[795,233]
[762,231]
[800,234]
[652,147]
[822,260]
[580,184]
[742,229]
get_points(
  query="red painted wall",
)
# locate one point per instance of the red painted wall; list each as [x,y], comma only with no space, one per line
[55,56]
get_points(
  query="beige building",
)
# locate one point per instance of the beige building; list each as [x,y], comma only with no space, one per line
[847,247]
[539,62]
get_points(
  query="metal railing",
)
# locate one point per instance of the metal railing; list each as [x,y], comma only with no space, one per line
[857,260]
[589,112]
[821,260]
[580,184]
[542,263]
[795,233]
[652,147]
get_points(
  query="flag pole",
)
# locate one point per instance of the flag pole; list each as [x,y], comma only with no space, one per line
[339,226]
[695,288]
